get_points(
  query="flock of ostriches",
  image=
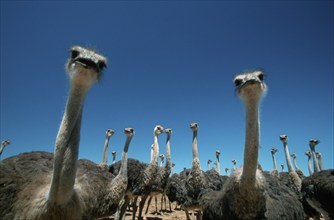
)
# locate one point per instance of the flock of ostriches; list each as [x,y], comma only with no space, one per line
[42,185]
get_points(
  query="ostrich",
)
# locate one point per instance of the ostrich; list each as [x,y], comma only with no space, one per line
[172,170]
[209,161]
[292,179]
[298,171]
[109,133]
[218,162]
[226,170]
[162,159]
[313,143]
[113,153]
[41,185]
[250,193]
[282,167]
[3,145]
[140,178]
[319,157]
[309,164]
[234,165]
[274,171]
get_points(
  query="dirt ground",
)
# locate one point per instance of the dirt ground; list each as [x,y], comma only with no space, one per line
[176,213]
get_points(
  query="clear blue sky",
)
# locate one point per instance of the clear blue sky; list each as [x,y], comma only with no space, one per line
[170,63]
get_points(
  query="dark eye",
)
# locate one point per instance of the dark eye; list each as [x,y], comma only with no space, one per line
[237,82]
[102,65]
[261,76]
[74,54]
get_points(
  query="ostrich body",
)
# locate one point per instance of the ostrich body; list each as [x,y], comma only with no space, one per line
[274,171]
[109,133]
[250,193]
[318,191]
[41,185]
[309,163]
[3,145]
[218,162]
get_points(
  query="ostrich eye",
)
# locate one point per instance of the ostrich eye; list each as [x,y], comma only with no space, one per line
[102,65]
[261,76]
[237,82]
[74,54]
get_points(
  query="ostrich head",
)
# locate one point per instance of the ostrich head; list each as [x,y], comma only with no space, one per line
[226,169]
[168,131]
[282,165]
[5,142]
[173,164]
[318,154]
[158,129]
[283,138]
[110,132]
[194,126]
[273,150]
[234,162]
[313,143]
[217,153]
[209,161]
[308,154]
[86,62]
[129,132]
[113,153]
[294,156]
[162,157]
[250,86]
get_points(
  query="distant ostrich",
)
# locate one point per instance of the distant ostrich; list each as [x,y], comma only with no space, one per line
[274,171]
[3,145]
[41,185]
[250,193]
[226,170]
[218,162]
[319,157]
[113,153]
[282,167]
[234,164]
[313,143]
[309,163]
[109,133]
[162,159]
[298,171]
[209,161]
[172,170]
[292,179]
[140,178]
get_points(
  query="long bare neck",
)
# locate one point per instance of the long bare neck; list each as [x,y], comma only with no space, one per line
[251,151]
[295,163]
[168,164]
[287,157]
[195,163]
[309,166]
[105,151]
[124,170]
[218,165]
[315,159]
[274,161]
[155,151]
[320,163]
[67,147]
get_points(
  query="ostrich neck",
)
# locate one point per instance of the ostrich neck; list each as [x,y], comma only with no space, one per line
[113,158]
[167,165]
[295,163]
[309,166]
[105,150]
[155,151]
[124,169]
[218,165]
[320,163]
[251,151]
[195,163]
[274,161]
[67,147]
[315,160]
[287,157]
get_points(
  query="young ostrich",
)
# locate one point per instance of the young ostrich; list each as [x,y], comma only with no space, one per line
[41,185]
[209,162]
[248,192]
[298,171]
[3,145]
[309,163]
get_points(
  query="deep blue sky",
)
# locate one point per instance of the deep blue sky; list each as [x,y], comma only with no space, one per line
[170,63]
